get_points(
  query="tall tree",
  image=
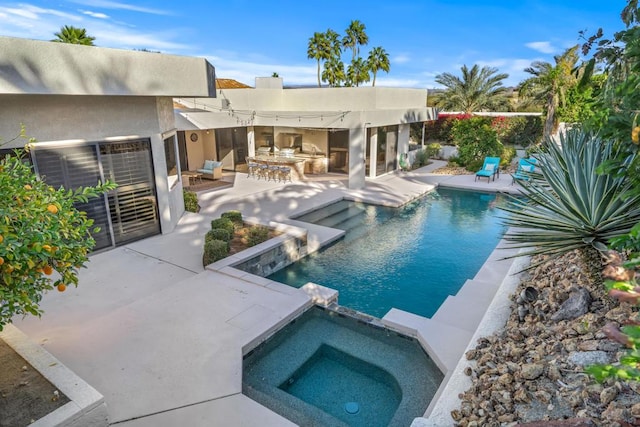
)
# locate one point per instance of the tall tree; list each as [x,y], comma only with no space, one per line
[550,83]
[334,73]
[378,60]
[73,35]
[354,38]
[358,72]
[477,90]
[318,49]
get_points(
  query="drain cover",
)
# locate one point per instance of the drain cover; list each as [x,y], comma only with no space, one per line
[352,408]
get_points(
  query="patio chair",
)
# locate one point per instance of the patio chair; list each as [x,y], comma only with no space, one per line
[490,168]
[524,170]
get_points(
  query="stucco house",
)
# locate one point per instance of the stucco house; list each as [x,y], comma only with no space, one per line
[360,132]
[100,113]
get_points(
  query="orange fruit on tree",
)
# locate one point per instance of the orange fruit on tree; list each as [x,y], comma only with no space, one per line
[61,287]
[27,187]
[52,209]
[1,238]
[47,270]
[1,260]
[46,248]
[9,268]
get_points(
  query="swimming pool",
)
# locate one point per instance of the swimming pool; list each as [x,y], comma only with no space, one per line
[410,258]
[332,370]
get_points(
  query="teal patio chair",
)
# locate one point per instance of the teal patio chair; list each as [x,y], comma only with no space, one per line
[490,168]
[524,170]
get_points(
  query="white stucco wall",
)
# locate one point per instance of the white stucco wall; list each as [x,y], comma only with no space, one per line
[82,119]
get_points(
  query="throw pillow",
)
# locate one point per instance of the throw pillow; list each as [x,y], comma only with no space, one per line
[208,164]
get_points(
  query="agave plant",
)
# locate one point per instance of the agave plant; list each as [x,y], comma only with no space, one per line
[569,205]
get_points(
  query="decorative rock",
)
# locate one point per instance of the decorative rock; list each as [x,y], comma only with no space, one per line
[572,422]
[575,306]
[608,395]
[635,410]
[505,379]
[590,345]
[585,358]
[531,371]
[553,373]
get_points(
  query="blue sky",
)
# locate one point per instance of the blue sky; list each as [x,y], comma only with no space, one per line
[245,39]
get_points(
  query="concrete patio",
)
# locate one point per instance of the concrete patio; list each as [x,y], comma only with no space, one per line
[161,337]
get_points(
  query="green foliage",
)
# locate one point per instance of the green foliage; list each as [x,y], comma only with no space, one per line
[478,89]
[570,206]
[508,153]
[257,234]
[421,159]
[234,216]
[519,130]
[44,238]
[190,201]
[223,223]
[218,234]
[214,250]
[433,150]
[475,139]
[73,35]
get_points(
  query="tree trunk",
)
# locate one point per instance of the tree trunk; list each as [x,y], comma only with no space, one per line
[319,84]
[549,123]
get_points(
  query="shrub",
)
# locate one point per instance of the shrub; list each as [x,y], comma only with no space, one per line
[422,159]
[508,153]
[475,139]
[223,223]
[214,250]
[433,150]
[234,216]
[190,201]
[219,234]
[257,234]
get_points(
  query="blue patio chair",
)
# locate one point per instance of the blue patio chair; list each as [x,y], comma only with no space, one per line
[524,169]
[490,168]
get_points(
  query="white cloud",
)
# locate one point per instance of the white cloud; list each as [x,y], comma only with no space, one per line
[401,58]
[107,4]
[246,72]
[97,15]
[542,47]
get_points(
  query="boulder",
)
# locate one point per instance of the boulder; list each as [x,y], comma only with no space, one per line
[574,306]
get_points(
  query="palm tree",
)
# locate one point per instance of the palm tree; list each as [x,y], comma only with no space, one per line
[357,72]
[73,35]
[318,49]
[550,83]
[378,60]
[324,47]
[355,37]
[334,72]
[477,90]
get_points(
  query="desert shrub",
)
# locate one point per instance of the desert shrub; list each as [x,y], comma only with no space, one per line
[234,216]
[218,234]
[223,223]
[433,150]
[440,130]
[422,159]
[190,201]
[476,139]
[257,234]
[214,250]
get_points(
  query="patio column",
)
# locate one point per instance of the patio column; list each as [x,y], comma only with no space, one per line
[357,146]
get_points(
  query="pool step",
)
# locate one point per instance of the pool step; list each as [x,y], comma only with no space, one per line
[322,213]
[339,218]
[465,310]
[444,343]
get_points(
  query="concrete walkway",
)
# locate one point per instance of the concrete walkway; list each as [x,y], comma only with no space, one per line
[161,338]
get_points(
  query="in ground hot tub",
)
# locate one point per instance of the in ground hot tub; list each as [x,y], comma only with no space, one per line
[325,368]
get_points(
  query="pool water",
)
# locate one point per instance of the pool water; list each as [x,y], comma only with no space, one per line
[328,369]
[410,258]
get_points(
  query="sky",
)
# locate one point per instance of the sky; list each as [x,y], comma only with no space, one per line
[246,39]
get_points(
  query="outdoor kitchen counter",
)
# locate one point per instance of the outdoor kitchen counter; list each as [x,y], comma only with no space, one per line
[296,164]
